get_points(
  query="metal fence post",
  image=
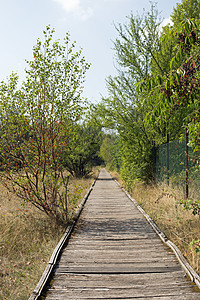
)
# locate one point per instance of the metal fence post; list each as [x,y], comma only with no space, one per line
[186,164]
[154,154]
[168,159]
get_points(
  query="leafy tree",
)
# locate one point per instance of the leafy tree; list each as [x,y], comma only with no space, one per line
[110,151]
[186,10]
[143,117]
[125,109]
[178,90]
[36,122]
[82,150]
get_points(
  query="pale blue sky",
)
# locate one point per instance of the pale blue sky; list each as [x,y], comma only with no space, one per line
[89,22]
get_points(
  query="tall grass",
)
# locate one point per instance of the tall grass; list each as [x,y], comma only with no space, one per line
[28,238]
[162,203]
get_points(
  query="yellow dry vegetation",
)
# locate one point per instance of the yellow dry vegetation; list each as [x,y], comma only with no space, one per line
[180,226]
[28,238]
[162,204]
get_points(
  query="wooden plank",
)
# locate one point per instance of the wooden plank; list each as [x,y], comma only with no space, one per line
[117,280]
[82,259]
[109,242]
[102,255]
[115,269]
[131,293]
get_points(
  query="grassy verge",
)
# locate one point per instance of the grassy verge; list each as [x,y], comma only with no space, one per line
[180,226]
[28,238]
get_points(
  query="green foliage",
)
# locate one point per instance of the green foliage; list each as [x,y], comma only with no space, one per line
[136,42]
[195,243]
[187,9]
[79,156]
[190,204]
[110,151]
[36,123]
[137,161]
[155,94]
[125,109]
[177,90]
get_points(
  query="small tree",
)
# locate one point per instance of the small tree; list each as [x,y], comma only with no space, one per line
[110,151]
[80,155]
[36,124]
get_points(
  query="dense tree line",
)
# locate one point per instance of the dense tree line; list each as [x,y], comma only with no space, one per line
[155,95]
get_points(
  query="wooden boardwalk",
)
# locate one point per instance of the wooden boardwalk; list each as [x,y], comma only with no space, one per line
[115,254]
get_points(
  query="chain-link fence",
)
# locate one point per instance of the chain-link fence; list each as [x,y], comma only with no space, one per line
[177,165]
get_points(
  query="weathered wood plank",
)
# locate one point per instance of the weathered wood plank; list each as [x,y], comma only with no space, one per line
[131,293]
[115,254]
[115,269]
[118,280]
[81,260]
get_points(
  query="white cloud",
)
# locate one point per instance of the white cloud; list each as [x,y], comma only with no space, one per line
[166,22]
[76,7]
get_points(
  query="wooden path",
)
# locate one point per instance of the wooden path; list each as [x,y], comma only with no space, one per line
[115,254]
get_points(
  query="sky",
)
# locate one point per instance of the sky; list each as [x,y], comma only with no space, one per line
[89,22]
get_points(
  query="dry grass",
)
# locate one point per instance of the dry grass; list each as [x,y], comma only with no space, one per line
[28,238]
[116,176]
[180,226]
[162,203]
